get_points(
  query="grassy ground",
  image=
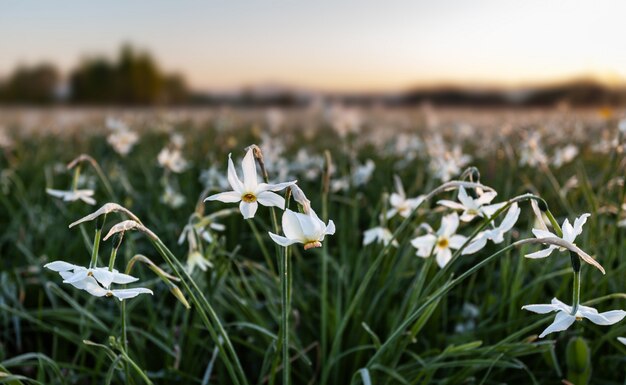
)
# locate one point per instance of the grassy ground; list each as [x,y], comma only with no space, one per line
[359,314]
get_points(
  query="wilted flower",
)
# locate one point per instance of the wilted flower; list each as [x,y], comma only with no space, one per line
[564,317]
[307,229]
[442,242]
[250,192]
[399,202]
[73,195]
[495,234]
[474,207]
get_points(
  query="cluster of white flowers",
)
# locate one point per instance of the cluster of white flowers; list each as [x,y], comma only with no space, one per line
[306,228]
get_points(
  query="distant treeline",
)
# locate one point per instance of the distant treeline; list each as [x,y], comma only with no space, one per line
[133,79]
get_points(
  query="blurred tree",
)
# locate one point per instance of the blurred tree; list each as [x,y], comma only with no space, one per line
[33,85]
[135,79]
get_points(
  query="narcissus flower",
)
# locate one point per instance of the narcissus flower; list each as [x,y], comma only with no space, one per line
[379,235]
[569,235]
[496,234]
[400,204]
[96,281]
[250,192]
[473,207]
[307,229]
[564,317]
[442,242]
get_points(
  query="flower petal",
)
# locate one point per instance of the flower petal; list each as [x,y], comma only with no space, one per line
[268,198]
[60,266]
[579,223]
[476,245]
[541,253]
[465,199]
[103,275]
[226,197]
[282,240]
[248,165]
[443,257]
[456,241]
[449,224]
[233,179]
[541,309]
[622,340]
[274,187]
[123,294]
[291,226]
[606,318]
[486,198]
[510,218]
[248,209]
[77,276]
[451,204]
[562,321]
[330,228]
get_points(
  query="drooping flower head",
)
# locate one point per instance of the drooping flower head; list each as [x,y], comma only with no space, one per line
[307,229]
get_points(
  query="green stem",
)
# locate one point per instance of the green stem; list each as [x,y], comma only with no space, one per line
[576,292]
[284,321]
[125,341]
[96,242]
[555,224]
[76,177]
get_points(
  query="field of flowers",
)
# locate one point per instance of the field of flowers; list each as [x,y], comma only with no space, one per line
[330,245]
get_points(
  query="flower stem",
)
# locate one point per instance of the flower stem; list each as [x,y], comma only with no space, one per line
[554,223]
[576,284]
[96,242]
[284,320]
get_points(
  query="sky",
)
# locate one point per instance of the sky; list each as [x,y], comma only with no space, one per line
[340,45]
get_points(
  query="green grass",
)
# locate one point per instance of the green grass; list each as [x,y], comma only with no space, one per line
[372,314]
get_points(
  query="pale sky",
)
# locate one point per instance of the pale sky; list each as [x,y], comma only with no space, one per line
[330,45]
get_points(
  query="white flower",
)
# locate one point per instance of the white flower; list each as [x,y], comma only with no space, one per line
[307,229]
[196,259]
[532,153]
[564,155]
[495,234]
[569,235]
[564,317]
[400,204]
[380,235]
[622,340]
[73,195]
[250,192]
[473,207]
[96,281]
[172,160]
[123,141]
[441,242]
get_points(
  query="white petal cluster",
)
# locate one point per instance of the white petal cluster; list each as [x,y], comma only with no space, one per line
[442,242]
[400,204]
[250,192]
[496,234]
[96,281]
[307,229]
[472,208]
[565,317]
[569,235]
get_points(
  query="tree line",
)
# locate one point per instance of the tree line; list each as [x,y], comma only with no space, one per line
[134,78]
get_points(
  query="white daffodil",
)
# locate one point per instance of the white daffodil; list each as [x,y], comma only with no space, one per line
[307,229]
[196,259]
[496,235]
[564,155]
[172,160]
[622,340]
[569,235]
[400,204]
[473,207]
[442,242]
[250,192]
[73,195]
[79,273]
[379,235]
[123,141]
[564,317]
[96,281]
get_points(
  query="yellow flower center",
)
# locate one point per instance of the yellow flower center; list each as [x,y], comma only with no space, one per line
[442,243]
[249,198]
[312,244]
[109,294]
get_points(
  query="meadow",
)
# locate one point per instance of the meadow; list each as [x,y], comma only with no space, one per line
[442,222]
